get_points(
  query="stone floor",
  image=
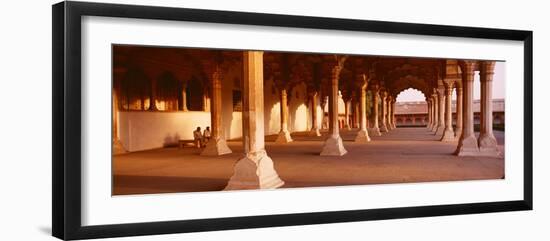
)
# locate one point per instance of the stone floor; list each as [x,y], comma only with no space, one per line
[402,155]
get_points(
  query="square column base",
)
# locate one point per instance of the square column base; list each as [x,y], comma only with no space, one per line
[283,137]
[488,146]
[334,146]
[440,130]
[467,147]
[118,148]
[315,132]
[448,136]
[434,127]
[216,147]
[254,171]
[383,128]
[458,133]
[375,131]
[362,136]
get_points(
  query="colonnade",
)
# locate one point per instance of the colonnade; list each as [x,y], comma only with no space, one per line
[440,114]
[255,168]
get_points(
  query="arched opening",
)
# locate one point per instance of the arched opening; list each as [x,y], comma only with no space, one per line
[411,104]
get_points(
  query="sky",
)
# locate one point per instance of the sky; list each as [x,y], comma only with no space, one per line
[498,87]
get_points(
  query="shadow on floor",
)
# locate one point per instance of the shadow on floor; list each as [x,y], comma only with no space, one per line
[131,184]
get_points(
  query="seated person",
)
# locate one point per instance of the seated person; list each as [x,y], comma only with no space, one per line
[197,137]
[206,135]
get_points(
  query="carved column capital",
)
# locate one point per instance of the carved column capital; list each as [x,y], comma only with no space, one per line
[487,69]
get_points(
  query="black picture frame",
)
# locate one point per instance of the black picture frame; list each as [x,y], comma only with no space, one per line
[66,128]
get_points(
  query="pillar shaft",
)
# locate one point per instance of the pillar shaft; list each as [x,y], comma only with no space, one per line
[347,119]
[334,145]
[459,116]
[357,114]
[435,112]
[284,134]
[448,133]
[255,169]
[376,100]
[363,134]
[153,96]
[184,98]
[388,114]
[487,141]
[440,111]
[314,119]
[217,144]
[467,145]
[429,103]
[383,125]
[394,122]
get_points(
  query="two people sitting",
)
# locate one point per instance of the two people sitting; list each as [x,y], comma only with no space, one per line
[201,138]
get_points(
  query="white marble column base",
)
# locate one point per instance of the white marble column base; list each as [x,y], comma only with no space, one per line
[383,128]
[488,146]
[283,137]
[468,147]
[374,131]
[440,130]
[334,146]
[315,132]
[254,171]
[362,136]
[448,136]
[216,148]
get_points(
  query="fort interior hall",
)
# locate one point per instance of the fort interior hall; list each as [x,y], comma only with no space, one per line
[285,119]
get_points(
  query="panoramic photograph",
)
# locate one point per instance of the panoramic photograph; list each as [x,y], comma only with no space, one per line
[202,120]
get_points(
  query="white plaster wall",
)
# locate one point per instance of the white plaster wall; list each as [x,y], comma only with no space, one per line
[148,130]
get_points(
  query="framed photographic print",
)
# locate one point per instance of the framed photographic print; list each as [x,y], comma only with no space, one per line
[170,120]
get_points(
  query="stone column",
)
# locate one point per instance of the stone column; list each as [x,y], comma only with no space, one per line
[216,145]
[347,110]
[448,133]
[314,119]
[383,125]
[440,111]
[255,169]
[334,145]
[389,124]
[435,112]
[363,134]
[429,103]
[357,114]
[487,141]
[205,104]
[153,96]
[184,98]
[284,134]
[467,145]
[376,101]
[325,119]
[394,122]
[459,116]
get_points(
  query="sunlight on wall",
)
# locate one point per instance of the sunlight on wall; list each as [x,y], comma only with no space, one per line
[300,118]
[275,121]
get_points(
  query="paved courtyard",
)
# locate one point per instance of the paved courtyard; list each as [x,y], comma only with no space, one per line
[402,155]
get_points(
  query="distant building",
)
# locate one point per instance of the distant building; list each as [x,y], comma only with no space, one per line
[415,113]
